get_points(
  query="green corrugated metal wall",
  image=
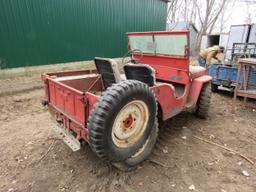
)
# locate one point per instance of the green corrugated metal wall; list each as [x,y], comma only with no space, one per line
[36,32]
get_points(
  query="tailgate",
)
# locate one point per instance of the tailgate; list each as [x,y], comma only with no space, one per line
[67,100]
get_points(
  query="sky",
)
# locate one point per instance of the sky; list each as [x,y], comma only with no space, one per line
[239,13]
[236,13]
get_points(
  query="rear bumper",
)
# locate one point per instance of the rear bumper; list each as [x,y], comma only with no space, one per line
[66,136]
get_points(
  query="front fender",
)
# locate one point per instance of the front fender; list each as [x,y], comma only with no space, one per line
[196,87]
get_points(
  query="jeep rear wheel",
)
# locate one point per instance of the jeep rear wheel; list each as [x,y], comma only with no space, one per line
[203,103]
[122,120]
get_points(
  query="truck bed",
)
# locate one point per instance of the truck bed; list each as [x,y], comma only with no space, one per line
[227,75]
[70,96]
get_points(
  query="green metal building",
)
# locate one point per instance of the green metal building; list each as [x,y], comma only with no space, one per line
[37,32]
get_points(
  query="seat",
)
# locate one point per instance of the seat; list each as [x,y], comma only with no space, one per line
[108,68]
[196,71]
[140,72]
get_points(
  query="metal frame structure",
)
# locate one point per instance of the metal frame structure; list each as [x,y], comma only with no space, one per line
[243,50]
[226,75]
[244,88]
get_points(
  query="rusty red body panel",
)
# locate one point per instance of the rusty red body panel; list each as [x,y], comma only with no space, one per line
[70,100]
[71,95]
[169,104]
[196,87]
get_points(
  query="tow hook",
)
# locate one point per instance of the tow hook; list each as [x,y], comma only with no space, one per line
[44,102]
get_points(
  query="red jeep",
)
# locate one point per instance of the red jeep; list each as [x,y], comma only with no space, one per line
[118,114]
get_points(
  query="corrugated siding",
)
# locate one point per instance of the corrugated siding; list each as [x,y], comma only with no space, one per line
[36,32]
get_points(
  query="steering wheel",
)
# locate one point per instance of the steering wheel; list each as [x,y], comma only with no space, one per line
[131,59]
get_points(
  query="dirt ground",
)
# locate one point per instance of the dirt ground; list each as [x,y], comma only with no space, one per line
[34,159]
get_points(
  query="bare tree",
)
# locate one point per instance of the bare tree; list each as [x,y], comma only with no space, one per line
[204,13]
[248,19]
[192,15]
[250,16]
[225,16]
[217,16]
[171,12]
[209,17]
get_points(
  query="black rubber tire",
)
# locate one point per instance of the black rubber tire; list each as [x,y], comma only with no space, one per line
[105,111]
[203,103]
[132,162]
[214,88]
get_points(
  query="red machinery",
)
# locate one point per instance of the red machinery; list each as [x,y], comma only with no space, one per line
[117,114]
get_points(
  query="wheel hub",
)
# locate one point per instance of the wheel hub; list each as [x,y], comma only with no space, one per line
[127,123]
[130,123]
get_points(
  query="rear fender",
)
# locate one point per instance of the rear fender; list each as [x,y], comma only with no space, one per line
[196,87]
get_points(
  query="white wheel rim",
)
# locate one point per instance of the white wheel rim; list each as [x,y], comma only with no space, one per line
[130,123]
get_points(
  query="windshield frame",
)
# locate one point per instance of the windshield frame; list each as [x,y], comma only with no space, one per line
[154,43]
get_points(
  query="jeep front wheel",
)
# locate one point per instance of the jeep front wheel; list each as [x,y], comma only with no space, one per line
[203,103]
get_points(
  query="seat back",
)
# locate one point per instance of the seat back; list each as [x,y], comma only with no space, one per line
[108,69]
[141,72]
